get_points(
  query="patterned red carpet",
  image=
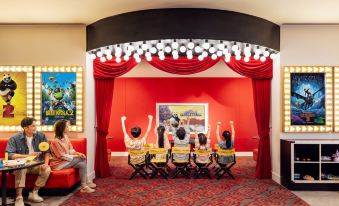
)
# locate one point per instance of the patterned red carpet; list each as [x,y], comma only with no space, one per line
[244,190]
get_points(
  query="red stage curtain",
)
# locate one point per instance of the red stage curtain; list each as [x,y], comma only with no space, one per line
[104,74]
[261,74]
[182,65]
[262,108]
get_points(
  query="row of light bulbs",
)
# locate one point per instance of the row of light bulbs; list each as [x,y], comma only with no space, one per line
[188,47]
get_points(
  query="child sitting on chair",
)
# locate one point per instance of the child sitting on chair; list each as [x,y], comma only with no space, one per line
[226,142]
[202,142]
[181,139]
[162,140]
[135,143]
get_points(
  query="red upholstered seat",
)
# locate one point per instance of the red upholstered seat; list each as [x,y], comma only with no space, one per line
[65,178]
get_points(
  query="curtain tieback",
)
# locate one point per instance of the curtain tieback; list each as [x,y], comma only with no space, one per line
[101,132]
[265,132]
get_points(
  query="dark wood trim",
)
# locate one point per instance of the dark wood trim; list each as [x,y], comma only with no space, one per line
[183,23]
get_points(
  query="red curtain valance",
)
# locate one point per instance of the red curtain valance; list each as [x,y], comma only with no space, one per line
[182,65]
[111,69]
[259,72]
[254,69]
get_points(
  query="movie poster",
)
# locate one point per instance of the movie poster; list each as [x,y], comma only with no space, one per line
[58,97]
[308,99]
[172,113]
[13,91]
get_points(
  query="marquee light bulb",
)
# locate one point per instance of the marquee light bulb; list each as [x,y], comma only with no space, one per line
[168,49]
[92,56]
[140,51]
[212,50]
[182,49]
[221,46]
[149,58]
[175,45]
[198,49]
[206,45]
[190,45]
[273,56]
[160,45]
[235,47]
[144,46]
[204,54]
[109,57]
[153,50]
[102,59]
[99,53]
[266,53]
[126,58]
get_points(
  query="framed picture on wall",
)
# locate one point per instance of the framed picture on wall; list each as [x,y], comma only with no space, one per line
[173,113]
[58,94]
[16,90]
[307,99]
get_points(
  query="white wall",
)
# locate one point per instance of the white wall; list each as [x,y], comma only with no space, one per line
[301,45]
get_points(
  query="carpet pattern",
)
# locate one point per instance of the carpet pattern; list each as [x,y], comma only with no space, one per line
[244,190]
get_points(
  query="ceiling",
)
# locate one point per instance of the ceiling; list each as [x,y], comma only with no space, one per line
[89,11]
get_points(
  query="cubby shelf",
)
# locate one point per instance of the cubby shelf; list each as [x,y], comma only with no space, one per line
[293,170]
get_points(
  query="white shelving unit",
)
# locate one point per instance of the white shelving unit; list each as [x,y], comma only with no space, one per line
[315,146]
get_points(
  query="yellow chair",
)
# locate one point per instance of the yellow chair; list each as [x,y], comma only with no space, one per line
[158,161]
[225,158]
[181,165]
[202,167]
[137,166]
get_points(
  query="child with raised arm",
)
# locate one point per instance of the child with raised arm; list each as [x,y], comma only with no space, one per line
[135,143]
[181,138]
[202,142]
[226,142]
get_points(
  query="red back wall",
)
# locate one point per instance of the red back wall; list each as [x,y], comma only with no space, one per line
[227,98]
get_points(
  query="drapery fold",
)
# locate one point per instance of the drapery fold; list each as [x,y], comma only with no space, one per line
[182,65]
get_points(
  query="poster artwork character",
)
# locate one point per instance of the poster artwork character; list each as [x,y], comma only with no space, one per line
[308,99]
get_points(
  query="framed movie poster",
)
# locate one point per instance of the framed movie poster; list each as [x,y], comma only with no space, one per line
[173,113]
[308,99]
[16,90]
[58,95]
